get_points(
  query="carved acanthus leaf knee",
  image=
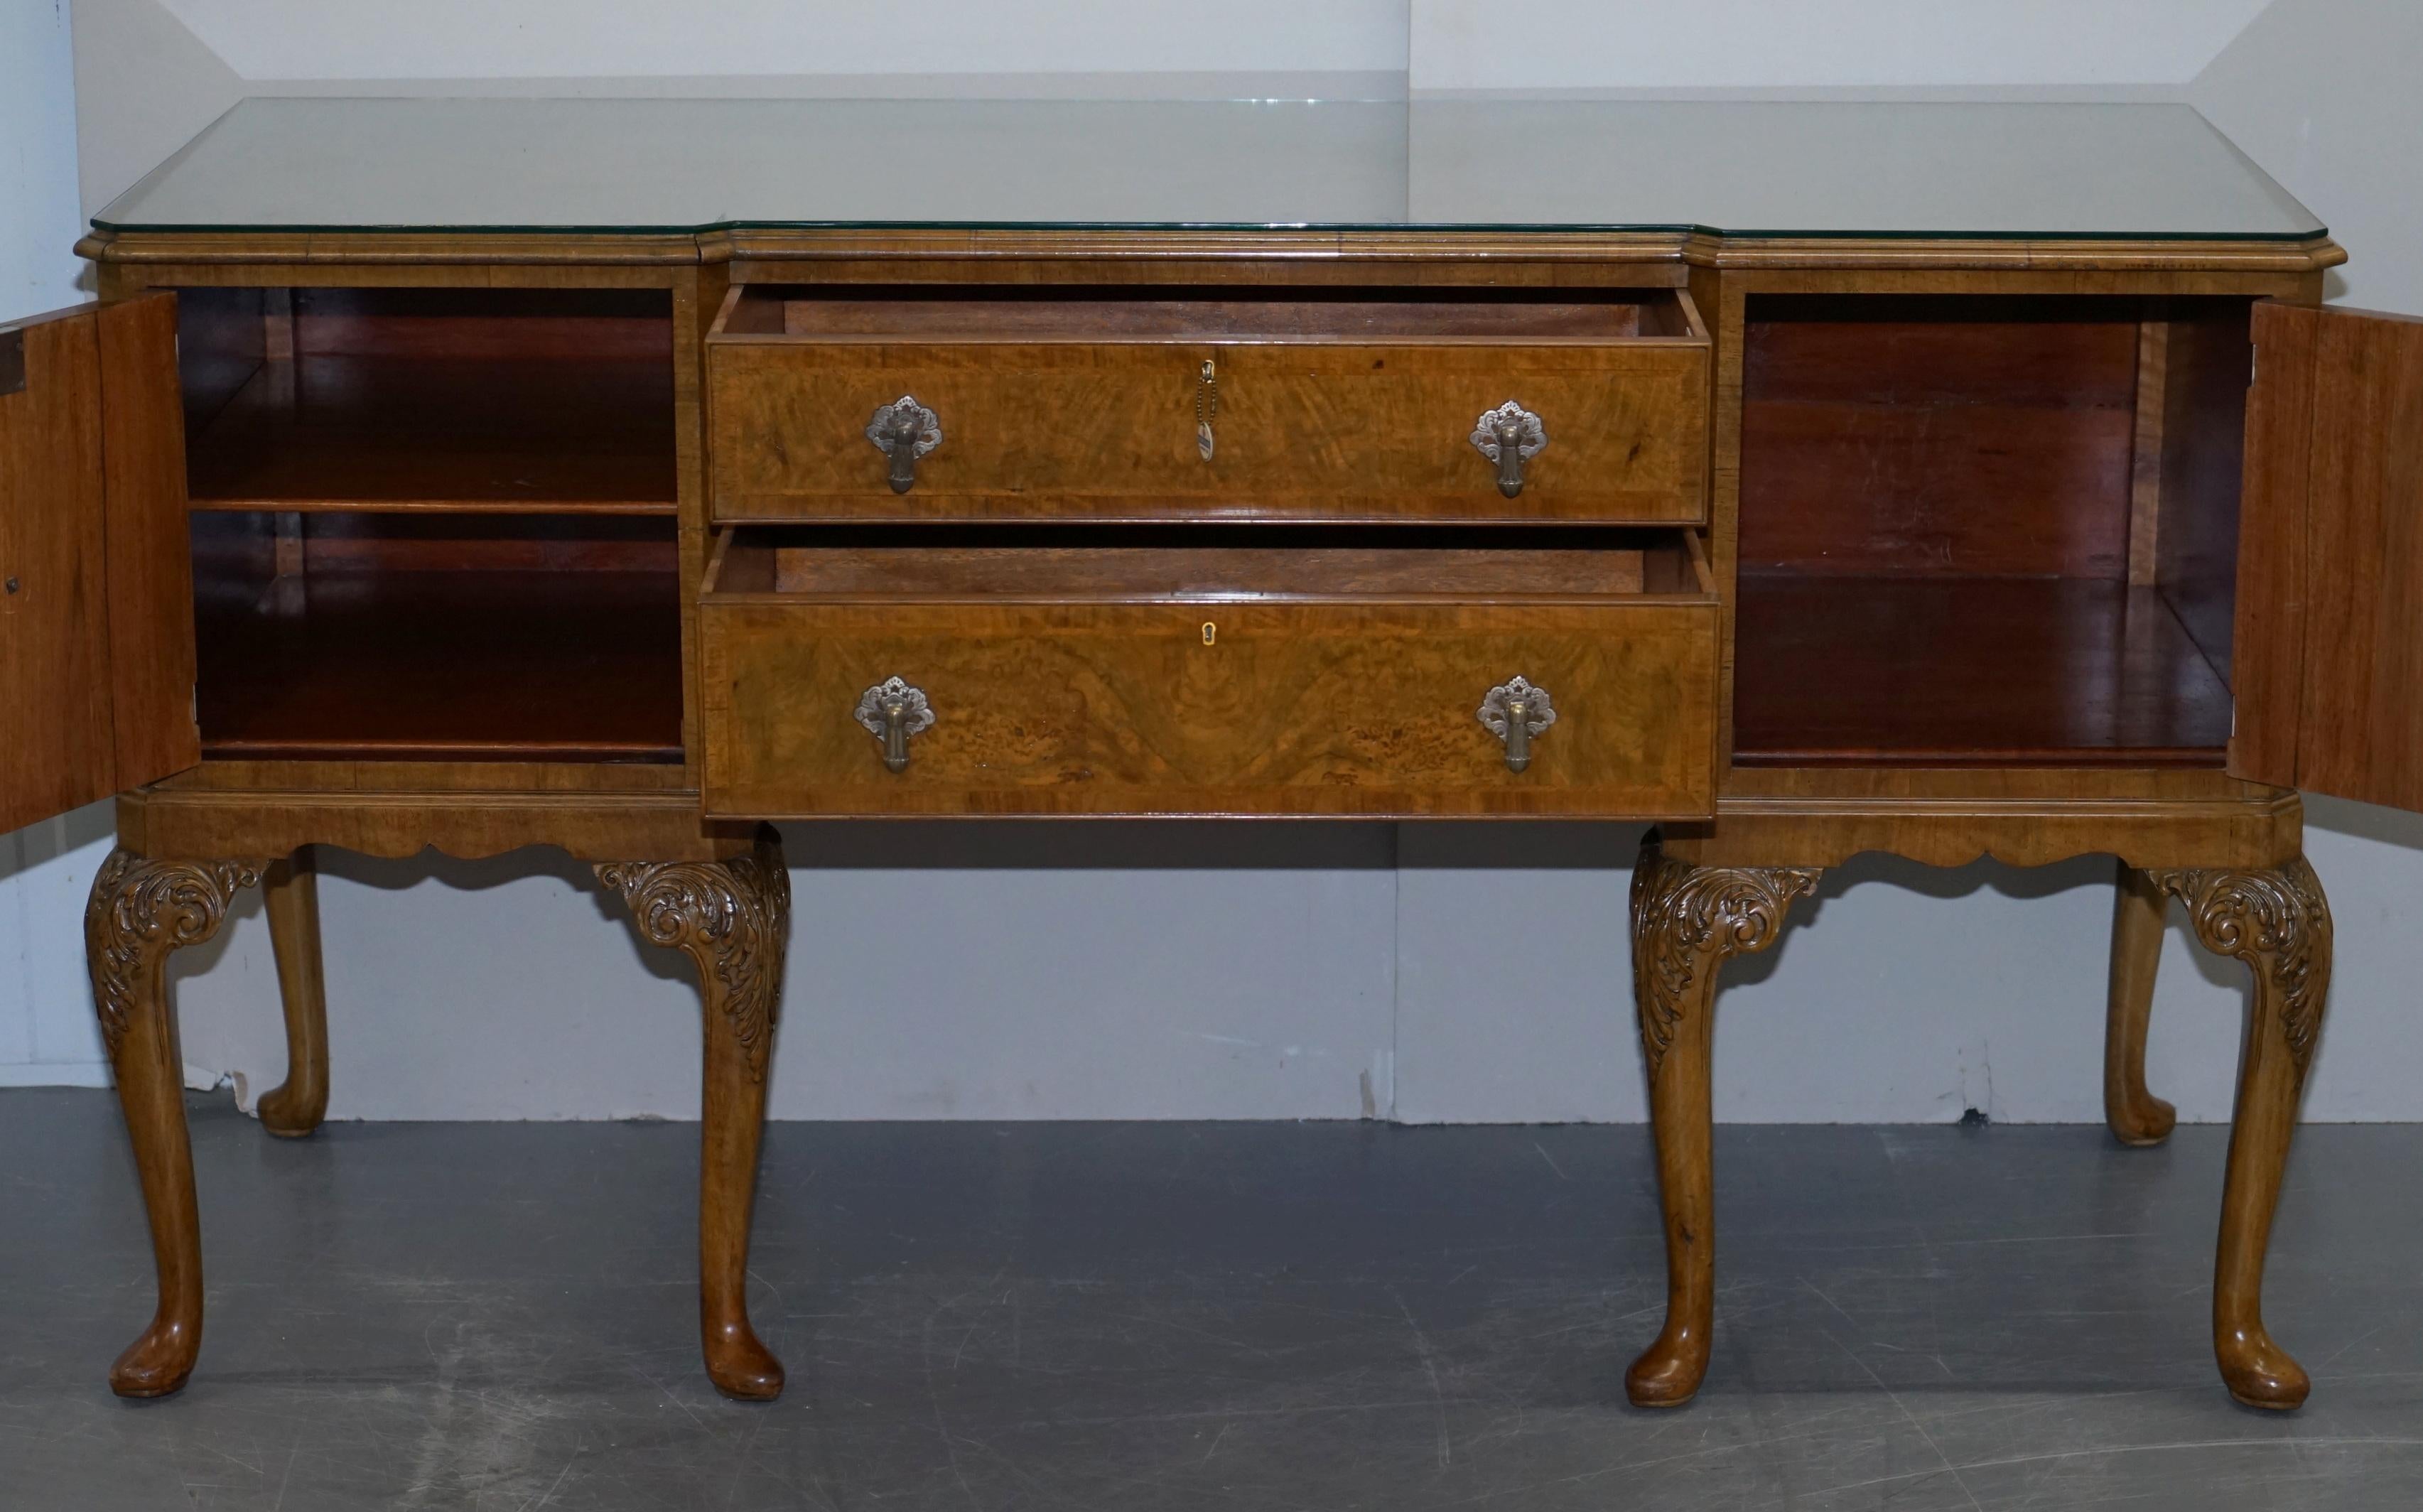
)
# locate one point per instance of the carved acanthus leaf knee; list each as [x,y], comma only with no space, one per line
[140,911]
[2278,922]
[732,918]
[1688,919]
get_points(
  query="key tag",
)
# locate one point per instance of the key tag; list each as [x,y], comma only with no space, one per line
[1207,407]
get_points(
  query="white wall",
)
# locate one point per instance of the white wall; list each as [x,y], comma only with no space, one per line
[157,71]
[1441,973]
[38,219]
[46,1024]
[2323,94]
[557,39]
[1459,46]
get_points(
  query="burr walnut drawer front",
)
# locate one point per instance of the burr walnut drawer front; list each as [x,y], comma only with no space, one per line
[825,403]
[1284,680]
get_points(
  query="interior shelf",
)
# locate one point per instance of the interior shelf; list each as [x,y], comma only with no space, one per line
[399,432]
[429,400]
[1945,670]
[413,638]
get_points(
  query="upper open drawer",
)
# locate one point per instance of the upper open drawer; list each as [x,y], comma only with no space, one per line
[889,403]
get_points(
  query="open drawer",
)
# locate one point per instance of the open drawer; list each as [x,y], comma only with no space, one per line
[841,403]
[1166,678]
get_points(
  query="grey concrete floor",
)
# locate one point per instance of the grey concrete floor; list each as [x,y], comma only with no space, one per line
[1199,1316]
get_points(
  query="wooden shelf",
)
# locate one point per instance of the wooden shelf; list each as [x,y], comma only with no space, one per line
[1934,670]
[444,666]
[443,434]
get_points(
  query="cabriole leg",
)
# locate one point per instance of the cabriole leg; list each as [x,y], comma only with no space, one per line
[292,890]
[733,919]
[2277,923]
[1686,921]
[2136,1114]
[141,912]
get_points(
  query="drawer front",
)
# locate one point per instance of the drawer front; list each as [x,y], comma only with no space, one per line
[1338,433]
[1209,708]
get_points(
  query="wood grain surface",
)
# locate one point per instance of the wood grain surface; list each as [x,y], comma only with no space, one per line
[1968,670]
[2361,733]
[151,657]
[997,574]
[1105,703]
[55,602]
[2270,629]
[428,665]
[2208,366]
[1317,420]
[289,890]
[2140,913]
[1949,435]
[909,312]
[2021,816]
[283,805]
[96,594]
[433,399]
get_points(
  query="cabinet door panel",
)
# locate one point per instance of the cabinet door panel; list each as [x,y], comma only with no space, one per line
[96,591]
[2331,583]
[58,749]
[2267,643]
[151,552]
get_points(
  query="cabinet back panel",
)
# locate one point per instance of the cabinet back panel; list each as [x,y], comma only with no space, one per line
[1968,435]
[583,325]
[434,399]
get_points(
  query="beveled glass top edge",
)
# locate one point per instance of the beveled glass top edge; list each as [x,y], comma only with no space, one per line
[1983,172]
[1223,228]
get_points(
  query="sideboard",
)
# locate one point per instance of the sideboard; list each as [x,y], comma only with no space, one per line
[624,476]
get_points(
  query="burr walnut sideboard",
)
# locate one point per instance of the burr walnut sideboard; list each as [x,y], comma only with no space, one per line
[622,476]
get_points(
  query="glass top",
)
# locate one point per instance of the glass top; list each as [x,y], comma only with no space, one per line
[1743,168]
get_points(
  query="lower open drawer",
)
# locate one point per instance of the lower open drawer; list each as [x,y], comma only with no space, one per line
[1288,676]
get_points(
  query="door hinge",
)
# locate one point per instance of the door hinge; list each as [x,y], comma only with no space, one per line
[2254,363]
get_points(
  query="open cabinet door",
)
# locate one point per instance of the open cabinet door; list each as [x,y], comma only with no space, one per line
[2329,663]
[96,576]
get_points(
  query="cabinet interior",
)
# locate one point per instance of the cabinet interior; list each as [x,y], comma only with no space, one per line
[363,636]
[434,524]
[1988,529]
[462,399]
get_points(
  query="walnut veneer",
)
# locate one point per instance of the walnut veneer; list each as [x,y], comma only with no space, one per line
[1946,545]
[1288,680]
[1084,404]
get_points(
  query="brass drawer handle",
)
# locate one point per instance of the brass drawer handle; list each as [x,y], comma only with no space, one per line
[891,711]
[1515,712]
[1509,435]
[904,431]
